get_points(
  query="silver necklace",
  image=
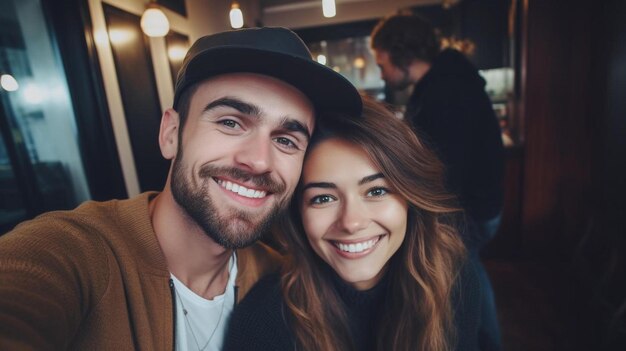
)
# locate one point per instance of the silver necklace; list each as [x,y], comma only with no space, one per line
[219,319]
[193,334]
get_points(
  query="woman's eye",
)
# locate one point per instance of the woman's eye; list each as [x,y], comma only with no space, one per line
[377,192]
[321,199]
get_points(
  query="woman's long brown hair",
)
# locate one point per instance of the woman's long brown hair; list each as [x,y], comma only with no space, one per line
[417,314]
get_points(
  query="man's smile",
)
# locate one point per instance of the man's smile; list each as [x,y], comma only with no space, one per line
[240,189]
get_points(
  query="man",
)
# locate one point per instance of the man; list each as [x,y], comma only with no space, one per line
[449,108]
[162,271]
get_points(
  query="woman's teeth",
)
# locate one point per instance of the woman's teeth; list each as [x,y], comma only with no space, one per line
[241,190]
[357,247]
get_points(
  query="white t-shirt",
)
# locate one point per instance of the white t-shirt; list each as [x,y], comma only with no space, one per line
[203,315]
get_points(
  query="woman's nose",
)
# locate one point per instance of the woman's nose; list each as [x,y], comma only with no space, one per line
[354,217]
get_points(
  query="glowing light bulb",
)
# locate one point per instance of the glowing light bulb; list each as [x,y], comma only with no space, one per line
[121,36]
[154,22]
[359,62]
[321,59]
[176,53]
[8,83]
[328,8]
[236,16]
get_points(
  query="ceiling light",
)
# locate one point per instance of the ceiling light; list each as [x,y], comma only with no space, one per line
[321,59]
[8,83]
[359,62]
[328,8]
[236,16]
[154,22]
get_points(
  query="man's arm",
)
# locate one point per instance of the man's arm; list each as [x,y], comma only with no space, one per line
[51,272]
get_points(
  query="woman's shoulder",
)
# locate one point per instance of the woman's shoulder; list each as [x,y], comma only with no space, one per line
[267,287]
[258,322]
[263,303]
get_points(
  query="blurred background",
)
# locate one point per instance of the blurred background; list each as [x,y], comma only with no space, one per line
[83,84]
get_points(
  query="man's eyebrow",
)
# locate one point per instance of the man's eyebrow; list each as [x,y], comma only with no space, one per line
[237,104]
[371,178]
[324,185]
[254,110]
[296,126]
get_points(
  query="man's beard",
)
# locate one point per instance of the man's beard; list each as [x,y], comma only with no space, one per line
[228,230]
[403,83]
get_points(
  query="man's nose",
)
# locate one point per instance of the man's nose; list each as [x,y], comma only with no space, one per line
[255,155]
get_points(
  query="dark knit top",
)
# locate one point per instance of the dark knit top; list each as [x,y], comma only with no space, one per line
[363,308]
[259,322]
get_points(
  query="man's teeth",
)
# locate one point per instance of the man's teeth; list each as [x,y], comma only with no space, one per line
[358,247]
[241,190]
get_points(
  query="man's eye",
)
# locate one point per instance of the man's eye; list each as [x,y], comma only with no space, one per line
[229,123]
[377,192]
[321,199]
[286,142]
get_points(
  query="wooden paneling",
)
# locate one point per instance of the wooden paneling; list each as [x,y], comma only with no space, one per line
[558,114]
[140,98]
[601,260]
[507,242]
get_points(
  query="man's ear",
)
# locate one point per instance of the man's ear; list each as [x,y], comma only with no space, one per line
[168,133]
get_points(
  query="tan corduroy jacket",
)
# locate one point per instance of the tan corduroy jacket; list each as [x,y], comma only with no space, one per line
[95,278]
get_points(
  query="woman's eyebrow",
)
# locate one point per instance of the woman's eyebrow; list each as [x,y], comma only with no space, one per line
[371,178]
[324,185]
[328,185]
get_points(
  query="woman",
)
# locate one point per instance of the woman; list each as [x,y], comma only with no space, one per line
[371,263]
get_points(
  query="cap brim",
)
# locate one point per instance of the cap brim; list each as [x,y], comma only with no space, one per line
[328,90]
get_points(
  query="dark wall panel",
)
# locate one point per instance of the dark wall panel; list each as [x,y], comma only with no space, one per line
[176,44]
[135,74]
[602,256]
[72,26]
[485,23]
[175,5]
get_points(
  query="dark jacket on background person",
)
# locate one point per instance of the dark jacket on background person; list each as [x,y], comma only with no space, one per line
[452,112]
[260,322]
[95,278]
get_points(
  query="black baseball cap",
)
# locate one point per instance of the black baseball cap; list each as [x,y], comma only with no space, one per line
[272,51]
